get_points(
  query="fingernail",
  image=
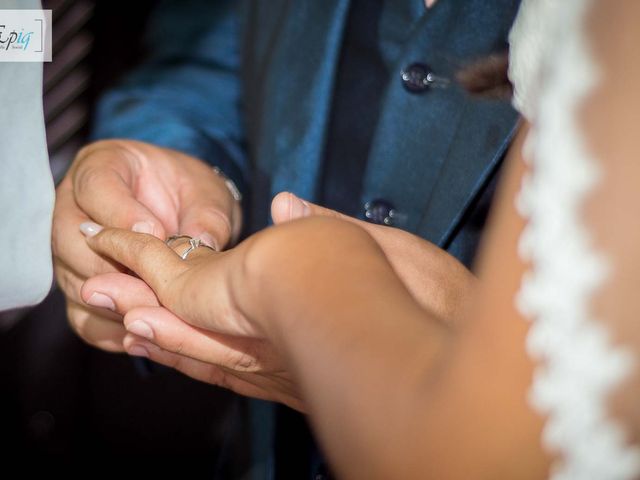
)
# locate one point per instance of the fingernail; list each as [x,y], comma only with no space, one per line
[207,239]
[138,351]
[101,300]
[90,229]
[297,208]
[143,227]
[141,329]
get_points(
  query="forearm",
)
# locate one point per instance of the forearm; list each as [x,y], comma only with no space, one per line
[358,343]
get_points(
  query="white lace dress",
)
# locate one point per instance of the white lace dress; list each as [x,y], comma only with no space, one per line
[553,71]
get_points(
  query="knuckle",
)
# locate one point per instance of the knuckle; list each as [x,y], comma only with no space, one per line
[90,148]
[143,251]
[89,152]
[178,347]
[244,361]
[86,178]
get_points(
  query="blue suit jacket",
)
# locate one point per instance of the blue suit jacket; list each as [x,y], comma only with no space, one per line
[247,85]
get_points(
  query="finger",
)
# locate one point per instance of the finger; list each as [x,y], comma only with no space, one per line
[242,384]
[70,249]
[182,245]
[166,330]
[286,207]
[68,280]
[165,272]
[207,208]
[97,331]
[202,371]
[119,292]
[153,261]
[104,182]
[207,223]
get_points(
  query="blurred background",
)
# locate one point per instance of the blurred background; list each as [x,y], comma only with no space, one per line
[60,397]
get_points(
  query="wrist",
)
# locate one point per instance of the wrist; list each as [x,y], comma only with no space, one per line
[248,276]
[290,271]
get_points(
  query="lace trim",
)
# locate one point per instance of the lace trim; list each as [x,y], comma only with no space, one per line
[578,365]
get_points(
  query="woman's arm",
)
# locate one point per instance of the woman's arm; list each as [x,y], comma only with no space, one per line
[393,395]
[392,391]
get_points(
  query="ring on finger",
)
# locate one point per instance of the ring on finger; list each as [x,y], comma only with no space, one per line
[194,243]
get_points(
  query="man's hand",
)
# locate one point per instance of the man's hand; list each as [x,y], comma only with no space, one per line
[209,340]
[438,281]
[135,186]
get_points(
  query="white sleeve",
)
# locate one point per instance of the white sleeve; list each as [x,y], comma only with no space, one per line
[26,185]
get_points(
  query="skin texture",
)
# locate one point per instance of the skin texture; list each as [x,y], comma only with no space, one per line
[131,185]
[610,210]
[435,279]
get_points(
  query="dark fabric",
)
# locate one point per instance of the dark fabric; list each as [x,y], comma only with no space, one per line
[360,81]
[71,408]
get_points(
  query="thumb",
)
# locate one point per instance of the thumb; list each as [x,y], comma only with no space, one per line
[103,187]
[169,332]
[208,223]
[286,207]
[209,212]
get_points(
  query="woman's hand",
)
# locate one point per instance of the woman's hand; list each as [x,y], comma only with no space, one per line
[182,314]
[436,279]
[202,333]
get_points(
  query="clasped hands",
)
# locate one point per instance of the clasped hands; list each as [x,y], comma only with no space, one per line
[194,315]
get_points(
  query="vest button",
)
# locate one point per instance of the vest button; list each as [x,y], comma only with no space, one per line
[380,212]
[418,78]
